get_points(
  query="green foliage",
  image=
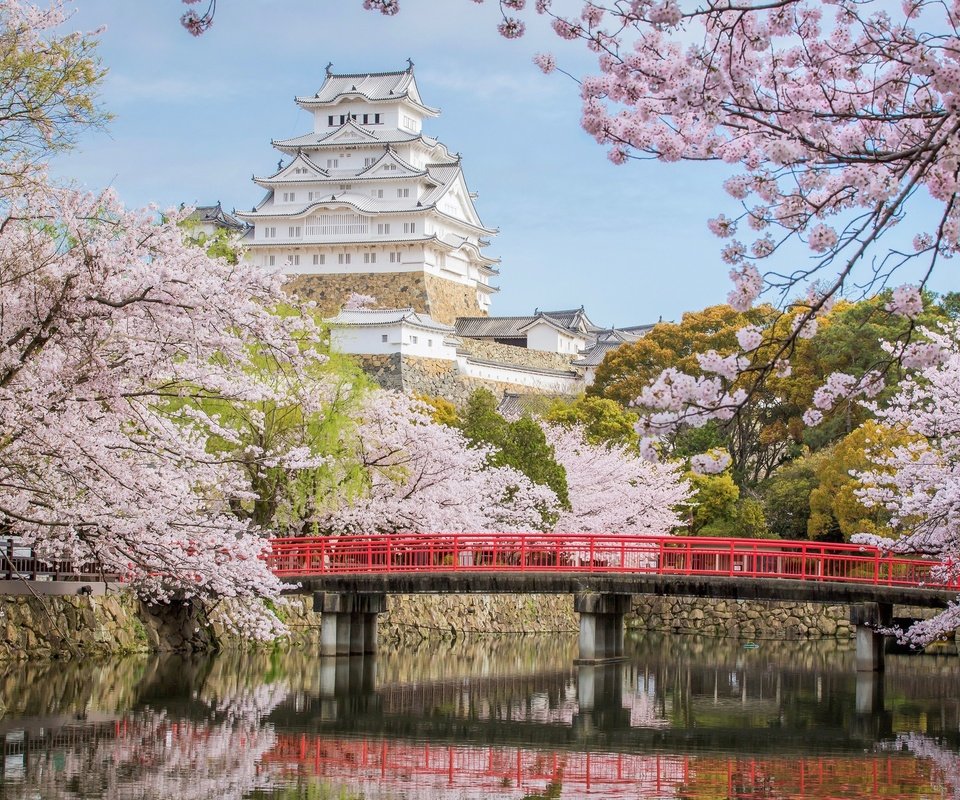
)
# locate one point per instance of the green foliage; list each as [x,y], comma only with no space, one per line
[836,512]
[288,501]
[714,504]
[751,523]
[786,496]
[849,340]
[604,421]
[521,444]
[222,243]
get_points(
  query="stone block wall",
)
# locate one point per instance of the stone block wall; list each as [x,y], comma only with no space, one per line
[743,619]
[519,356]
[392,289]
[449,300]
[75,626]
[442,299]
[384,369]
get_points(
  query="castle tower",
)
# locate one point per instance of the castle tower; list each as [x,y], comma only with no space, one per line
[368,203]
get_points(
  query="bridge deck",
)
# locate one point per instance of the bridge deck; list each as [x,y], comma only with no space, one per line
[718,586]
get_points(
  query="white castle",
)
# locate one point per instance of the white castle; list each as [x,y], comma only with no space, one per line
[368,197]
[368,204]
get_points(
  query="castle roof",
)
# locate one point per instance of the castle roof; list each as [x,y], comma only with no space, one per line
[574,321]
[216,216]
[607,340]
[375,87]
[377,317]
[331,139]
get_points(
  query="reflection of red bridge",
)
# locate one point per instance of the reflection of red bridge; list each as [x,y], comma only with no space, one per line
[497,771]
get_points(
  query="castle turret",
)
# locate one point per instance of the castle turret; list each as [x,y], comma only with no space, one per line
[368,203]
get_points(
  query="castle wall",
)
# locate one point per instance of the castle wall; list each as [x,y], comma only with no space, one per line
[510,354]
[438,378]
[449,300]
[442,299]
[392,289]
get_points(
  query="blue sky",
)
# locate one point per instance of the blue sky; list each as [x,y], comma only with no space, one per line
[194,119]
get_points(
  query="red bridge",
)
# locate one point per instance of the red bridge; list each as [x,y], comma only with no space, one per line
[351,575]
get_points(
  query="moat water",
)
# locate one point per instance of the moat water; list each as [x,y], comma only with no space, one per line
[683,717]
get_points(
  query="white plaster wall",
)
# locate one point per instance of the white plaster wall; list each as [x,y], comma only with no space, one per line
[369,341]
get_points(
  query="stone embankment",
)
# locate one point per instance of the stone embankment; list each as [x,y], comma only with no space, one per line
[55,627]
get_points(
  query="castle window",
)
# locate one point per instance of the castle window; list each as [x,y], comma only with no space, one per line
[383,337]
[343,118]
[294,232]
[376,119]
[429,342]
[272,261]
[343,258]
[269,233]
[368,161]
[332,162]
[346,186]
[369,258]
[395,257]
[413,340]
[389,167]
[319,259]
[330,120]
[294,260]
[403,192]
[383,228]
[289,197]
[409,227]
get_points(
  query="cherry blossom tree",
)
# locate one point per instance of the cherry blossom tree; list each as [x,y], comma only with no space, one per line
[613,490]
[424,476]
[919,484]
[111,328]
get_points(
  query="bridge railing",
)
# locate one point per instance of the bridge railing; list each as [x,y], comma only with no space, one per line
[19,561]
[598,553]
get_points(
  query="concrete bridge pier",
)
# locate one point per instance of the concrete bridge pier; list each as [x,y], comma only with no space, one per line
[867,618]
[348,622]
[601,625]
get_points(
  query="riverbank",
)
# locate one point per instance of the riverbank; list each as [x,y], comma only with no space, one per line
[70,626]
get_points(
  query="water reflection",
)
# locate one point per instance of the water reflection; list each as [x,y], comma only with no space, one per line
[683,718]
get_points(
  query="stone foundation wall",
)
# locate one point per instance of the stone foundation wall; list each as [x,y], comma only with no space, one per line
[384,369]
[510,354]
[442,299]
[449,300]
[70,626]
[739,618]
[392,289]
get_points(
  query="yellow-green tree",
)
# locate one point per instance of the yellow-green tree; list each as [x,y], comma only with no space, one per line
[604,421]
[836,512]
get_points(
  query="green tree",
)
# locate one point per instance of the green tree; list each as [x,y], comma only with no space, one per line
[604,421]
[521,444]
[786,496]
[836,512]
[714,504]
